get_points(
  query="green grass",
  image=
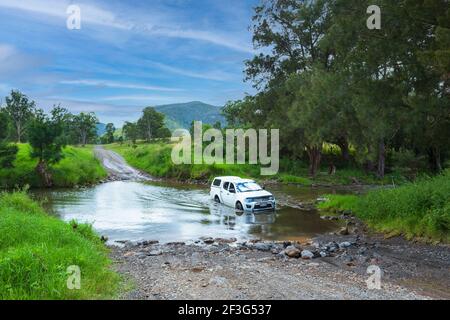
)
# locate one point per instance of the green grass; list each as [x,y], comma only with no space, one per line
[415,210]
[78,167]
[36,250]
[155,159]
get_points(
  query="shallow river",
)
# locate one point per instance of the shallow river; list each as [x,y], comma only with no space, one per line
[173,212]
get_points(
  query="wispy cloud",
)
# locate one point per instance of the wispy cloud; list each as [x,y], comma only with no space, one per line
[92,14]
[112,84]
[216,75]
[12,61]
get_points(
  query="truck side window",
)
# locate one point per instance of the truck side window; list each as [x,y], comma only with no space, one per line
[225,185]
[217,182]
[232,189]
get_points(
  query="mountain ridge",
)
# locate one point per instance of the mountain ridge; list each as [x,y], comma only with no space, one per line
[181,115]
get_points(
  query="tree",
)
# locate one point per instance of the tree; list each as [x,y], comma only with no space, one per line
[20,111]
[131,131]
[291,30]
[8,152]
[84,125]
[109,135]
[150,122]
[45,137]
[64,119]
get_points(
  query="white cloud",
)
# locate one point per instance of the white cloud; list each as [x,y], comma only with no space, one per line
[89,13]
[112,84]
[95,15]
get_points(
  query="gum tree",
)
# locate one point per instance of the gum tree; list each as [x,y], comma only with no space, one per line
[20,110]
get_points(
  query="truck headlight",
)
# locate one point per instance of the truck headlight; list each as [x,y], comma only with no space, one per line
[249,200]
[271,198]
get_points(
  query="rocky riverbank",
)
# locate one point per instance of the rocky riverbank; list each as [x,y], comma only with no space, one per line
[328,267]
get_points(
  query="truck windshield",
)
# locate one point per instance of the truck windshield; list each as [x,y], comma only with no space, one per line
[248,186]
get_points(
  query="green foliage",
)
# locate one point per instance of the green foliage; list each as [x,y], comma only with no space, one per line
[36,250]
[150,123]
[290,179]
[45,140]
[108,137]
[20,110]
[326,79]
[78,167]
[84,127]
[420,209]
[131,131]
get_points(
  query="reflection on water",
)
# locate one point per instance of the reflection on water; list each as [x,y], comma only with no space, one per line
[137,211]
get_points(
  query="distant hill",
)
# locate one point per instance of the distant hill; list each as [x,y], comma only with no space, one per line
[181,115]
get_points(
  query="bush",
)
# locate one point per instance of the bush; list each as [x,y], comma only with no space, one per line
[420,209]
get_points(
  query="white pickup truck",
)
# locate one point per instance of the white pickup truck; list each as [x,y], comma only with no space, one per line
[242,194]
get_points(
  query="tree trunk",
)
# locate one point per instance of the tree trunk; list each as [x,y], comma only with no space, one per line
[381,159]
[46,176]
[315,155]
[345,151]
[19,134]
[434,159]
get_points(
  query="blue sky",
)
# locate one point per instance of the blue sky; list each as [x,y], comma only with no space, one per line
[127,55]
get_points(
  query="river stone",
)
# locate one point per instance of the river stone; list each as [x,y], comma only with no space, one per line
[292,252]
[344,231]
[344,245]
[155,253]
[306,254]
[218,281]
[323,254]
[208,240]
[262,246]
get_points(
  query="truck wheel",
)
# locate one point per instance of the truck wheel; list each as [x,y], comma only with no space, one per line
[217,199]
[239,206]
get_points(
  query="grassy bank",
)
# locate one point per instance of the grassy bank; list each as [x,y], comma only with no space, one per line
[420,209]
[36,250]
[78,167]
[155,159]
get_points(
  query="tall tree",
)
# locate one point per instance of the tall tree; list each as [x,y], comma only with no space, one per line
[150,122]
[109,135]
[64,119]
[8,152]
[84,125]
[291,30]
[20,110]
[131,131]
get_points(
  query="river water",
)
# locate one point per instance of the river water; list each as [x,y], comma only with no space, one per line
[127,210]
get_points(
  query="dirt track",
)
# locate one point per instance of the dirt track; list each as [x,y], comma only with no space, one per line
[116,166]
